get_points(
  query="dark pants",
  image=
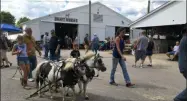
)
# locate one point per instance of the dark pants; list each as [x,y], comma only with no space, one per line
[33,63]
[183,95]
[46,50]
[94,50]
[54,56]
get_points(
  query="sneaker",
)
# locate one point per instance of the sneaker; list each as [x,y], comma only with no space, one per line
[31,80]
[134,66]
[130,85]
[113,83]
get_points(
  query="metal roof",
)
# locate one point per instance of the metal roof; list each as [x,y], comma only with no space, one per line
[152,12]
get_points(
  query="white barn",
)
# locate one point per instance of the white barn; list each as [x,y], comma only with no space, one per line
[104,22]
[169,14]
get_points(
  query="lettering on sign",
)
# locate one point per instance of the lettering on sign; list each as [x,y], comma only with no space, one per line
[66,19]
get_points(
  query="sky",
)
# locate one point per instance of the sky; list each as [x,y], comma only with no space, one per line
[132,9]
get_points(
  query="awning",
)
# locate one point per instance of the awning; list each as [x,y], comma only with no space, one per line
[10,28]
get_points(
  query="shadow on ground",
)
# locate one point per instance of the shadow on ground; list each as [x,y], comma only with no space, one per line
[145,86]
[92,97]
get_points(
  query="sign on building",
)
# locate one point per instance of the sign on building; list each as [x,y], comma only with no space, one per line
[97,18]
[63,19]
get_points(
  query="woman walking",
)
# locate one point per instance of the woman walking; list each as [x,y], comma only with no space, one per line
[149,51]
[118,57]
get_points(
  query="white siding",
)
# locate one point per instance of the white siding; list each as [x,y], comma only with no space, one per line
[173,14]
[35,29]
[82,31]
[110,18]
[134,34]
[100,33]
[46,27]
[109,31]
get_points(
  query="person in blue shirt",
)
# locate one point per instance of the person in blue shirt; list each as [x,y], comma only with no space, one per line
[20,49]
[95,43]
[119,58]
[183,65]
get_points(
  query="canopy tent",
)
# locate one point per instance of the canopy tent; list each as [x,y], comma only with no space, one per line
[10,28]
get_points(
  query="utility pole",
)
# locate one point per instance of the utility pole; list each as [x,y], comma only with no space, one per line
[90,19]
[148,8]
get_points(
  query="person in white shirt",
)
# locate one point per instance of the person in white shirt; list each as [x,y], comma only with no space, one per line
[46,44]
[174,52]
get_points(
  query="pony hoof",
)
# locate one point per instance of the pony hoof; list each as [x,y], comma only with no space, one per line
[86,98]
[97,75]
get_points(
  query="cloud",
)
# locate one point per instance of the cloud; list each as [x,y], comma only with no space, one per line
[132,9]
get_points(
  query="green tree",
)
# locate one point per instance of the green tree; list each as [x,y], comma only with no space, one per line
[21,20]
[7,17]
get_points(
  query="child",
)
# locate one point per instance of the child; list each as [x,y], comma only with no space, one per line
[75,53]
[20,49]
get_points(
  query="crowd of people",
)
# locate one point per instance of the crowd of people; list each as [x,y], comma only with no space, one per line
[26,48]
[144,47]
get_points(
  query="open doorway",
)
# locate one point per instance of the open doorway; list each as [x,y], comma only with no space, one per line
[127,34]
[63,29]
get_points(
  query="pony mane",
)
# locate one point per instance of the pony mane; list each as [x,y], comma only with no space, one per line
[69,63]
[88,56]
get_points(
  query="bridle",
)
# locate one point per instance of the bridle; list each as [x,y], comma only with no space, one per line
[95,61]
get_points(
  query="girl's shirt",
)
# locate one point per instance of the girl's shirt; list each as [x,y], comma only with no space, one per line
[22,48]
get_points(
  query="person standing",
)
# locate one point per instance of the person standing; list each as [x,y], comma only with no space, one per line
[95,43]
[29,40]
[118,57]
[183,65]
[3,51]
[42,42]
[54,46]
[112,44]
[141,47]
[20,49]
[149,51]
[46,44]
[86,43]
[69,44]
[66,42]
[76,43]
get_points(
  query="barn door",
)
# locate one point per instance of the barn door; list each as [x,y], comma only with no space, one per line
[109,31]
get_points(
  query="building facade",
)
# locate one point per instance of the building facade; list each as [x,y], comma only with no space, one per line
[104,22]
